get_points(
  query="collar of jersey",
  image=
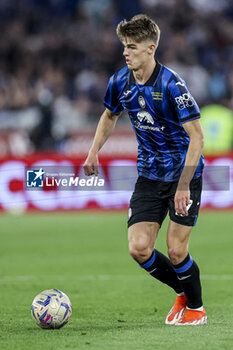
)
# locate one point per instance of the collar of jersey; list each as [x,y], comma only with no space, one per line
[151,81]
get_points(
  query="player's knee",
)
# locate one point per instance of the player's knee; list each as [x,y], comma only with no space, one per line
[175,255]
[140,256]
[139,252]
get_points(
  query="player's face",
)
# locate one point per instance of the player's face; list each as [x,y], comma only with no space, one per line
[137,55]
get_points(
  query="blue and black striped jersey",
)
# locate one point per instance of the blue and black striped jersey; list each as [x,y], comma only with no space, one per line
[157,110]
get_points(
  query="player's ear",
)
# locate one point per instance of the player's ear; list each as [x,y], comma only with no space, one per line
[151,49]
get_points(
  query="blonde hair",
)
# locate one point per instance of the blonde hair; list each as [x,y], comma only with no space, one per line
[139,28]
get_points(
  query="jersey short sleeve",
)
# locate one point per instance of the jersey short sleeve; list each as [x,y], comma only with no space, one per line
[182,100]
[111,98]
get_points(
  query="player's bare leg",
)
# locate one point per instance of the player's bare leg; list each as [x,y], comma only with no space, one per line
[141,239]
[178,241]
[187,272]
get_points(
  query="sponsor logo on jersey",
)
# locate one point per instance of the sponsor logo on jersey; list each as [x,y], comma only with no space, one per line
[144,115]
[185,100]
[141,101]
[148,127]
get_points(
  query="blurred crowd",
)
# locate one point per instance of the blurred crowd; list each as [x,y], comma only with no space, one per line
[56,57]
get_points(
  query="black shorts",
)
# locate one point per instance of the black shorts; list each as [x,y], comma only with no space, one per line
[151,201]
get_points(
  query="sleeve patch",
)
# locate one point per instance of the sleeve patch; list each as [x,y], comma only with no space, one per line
[185,100]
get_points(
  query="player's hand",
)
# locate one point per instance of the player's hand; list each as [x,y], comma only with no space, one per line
[182,200]
[91,165]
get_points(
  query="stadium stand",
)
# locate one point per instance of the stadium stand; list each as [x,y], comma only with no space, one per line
[56,58]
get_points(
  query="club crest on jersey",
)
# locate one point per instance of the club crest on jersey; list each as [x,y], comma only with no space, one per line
[141,101]
[143,115]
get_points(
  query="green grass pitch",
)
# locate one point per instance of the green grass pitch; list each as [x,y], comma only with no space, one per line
[116,305]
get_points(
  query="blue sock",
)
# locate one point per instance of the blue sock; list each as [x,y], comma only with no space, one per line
[189,276]
[160,267]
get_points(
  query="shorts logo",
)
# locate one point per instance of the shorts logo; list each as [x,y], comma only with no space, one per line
[130,213]
[35,178]
[143,115]
[142,101]
[185,100]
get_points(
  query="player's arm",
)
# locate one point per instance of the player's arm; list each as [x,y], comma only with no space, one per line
[104,129]
[182,197]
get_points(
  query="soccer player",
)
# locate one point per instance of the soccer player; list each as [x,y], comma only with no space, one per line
[165,118]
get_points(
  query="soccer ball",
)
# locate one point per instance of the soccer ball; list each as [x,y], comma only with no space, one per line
[51,309]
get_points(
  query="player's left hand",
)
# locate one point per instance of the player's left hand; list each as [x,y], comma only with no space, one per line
[182,200]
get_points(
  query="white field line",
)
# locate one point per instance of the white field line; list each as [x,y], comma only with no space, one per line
[27,278]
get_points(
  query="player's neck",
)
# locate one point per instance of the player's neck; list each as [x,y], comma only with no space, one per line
[143,74]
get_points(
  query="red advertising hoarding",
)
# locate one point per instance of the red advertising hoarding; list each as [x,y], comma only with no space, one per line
[15,197]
